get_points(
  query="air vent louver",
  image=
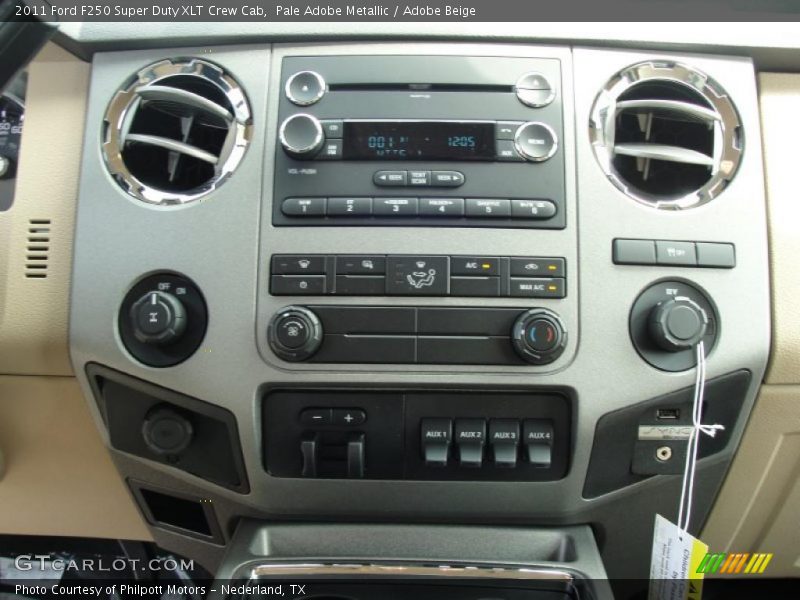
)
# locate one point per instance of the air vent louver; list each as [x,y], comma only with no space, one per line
[666,135]
[37,249]
[176,131]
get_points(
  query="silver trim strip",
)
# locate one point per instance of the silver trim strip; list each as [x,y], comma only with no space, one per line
[675,107]
[267,570]
[664,152]
[173,145]
[163,93]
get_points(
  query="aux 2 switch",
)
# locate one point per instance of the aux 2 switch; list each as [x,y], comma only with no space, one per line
[294,333]
[470,436]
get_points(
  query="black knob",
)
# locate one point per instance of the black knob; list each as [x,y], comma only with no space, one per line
[158,318]
[167,432]
[295,333]
[539,336]
[301,136]
[677,324]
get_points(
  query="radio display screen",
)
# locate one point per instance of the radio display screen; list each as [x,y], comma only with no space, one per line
[418,140]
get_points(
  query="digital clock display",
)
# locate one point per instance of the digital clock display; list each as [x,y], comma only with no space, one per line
[418,140]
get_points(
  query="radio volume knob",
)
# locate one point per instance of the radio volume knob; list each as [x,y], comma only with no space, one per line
[536,141]
[301,136]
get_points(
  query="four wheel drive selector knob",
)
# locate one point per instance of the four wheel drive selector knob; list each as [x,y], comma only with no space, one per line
[539,336]
[158,318]
[678,324]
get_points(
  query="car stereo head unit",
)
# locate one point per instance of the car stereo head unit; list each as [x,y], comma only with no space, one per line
[421,140]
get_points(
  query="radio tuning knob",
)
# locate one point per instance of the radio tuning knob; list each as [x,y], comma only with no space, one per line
[535,141]
[301,136]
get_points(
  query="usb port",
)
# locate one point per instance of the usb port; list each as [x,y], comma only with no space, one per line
[667,414]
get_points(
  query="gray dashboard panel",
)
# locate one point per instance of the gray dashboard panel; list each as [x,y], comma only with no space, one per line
[222,241]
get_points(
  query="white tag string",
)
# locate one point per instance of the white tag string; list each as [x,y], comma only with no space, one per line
[687,488]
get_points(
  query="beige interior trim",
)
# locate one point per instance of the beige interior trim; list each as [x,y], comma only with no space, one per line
[780,99]
[59,477]
[757,508]
[34,312]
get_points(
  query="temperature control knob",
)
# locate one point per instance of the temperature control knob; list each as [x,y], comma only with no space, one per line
[295,333]
[677,324]
[301,135]
[539,336]
[158,318]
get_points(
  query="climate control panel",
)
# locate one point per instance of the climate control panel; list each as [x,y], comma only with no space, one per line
[417,335]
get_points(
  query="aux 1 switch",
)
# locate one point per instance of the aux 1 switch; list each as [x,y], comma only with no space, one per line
[470,436]
[436,435]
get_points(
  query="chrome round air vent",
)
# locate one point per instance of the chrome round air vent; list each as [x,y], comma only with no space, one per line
[667,135]
[176,131]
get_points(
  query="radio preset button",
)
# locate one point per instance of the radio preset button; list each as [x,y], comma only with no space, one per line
[349,207]
[506,151]
[333,128]
[305,88]
[532,209]
[534,90]
[395,207]
[488,207]
[441,207]
[390,178]
[447,178]
[536,141]
[416,178]
[303,207]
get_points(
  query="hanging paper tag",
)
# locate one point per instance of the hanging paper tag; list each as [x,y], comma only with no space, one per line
[673,566]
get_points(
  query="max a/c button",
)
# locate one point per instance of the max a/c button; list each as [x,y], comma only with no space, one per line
[540,287]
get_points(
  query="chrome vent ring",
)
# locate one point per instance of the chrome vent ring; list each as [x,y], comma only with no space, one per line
[176,131]
[666,135]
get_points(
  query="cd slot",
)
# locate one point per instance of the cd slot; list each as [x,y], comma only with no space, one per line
[419,87]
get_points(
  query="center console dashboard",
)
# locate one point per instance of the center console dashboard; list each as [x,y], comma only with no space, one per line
[418,282]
